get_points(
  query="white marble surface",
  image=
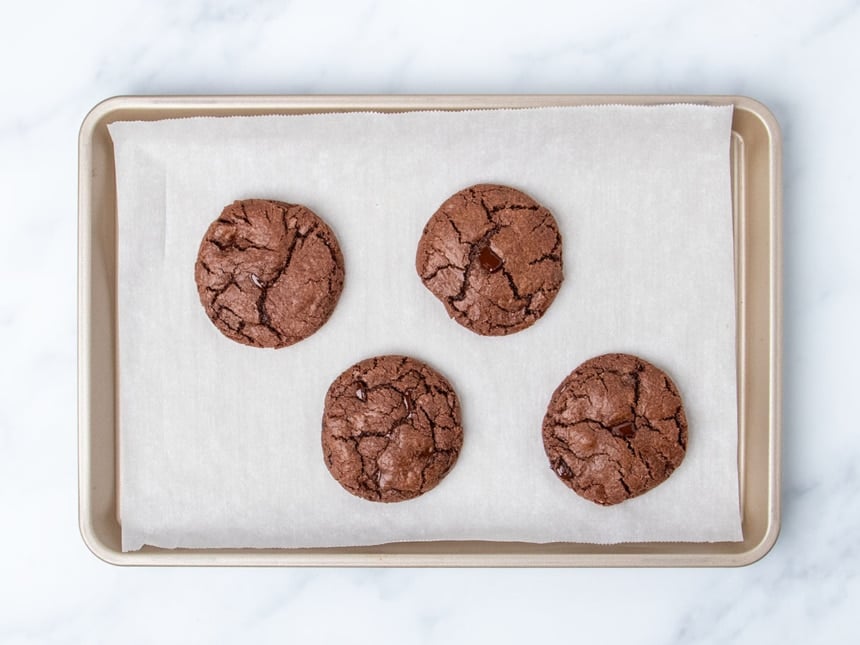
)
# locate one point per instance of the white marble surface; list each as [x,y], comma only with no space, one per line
[58,59]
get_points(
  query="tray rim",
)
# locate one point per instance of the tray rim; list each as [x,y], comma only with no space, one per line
[274,103]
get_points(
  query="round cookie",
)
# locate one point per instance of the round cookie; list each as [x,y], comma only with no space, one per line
[493,256]
[615,428]
[269,274]
[391,428]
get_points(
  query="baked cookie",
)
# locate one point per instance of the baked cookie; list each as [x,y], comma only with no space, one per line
[615,428]
[492,255]
[391,428]
[269,274]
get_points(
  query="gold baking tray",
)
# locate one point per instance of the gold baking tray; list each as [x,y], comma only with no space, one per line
[756,155]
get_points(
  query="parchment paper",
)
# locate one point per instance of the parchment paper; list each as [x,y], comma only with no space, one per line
[220,443]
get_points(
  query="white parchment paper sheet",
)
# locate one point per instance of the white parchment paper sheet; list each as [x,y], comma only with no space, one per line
[220,443]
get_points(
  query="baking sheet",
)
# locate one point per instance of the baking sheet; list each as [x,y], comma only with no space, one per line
[756,184]
[223,448]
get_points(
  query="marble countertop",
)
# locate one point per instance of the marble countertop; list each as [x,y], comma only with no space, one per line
[59,59]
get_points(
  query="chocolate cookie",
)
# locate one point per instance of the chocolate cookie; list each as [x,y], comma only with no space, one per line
[492,255]
[391,428]
[615,428]
[269,274]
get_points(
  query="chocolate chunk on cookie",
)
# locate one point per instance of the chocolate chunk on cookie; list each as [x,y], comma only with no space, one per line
[493,256]
[391,428]
[269,274]
[615,428]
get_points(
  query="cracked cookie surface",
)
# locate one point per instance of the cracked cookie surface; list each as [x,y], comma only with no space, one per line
[268,274]
[391,428]
[493,256]
[615,428]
